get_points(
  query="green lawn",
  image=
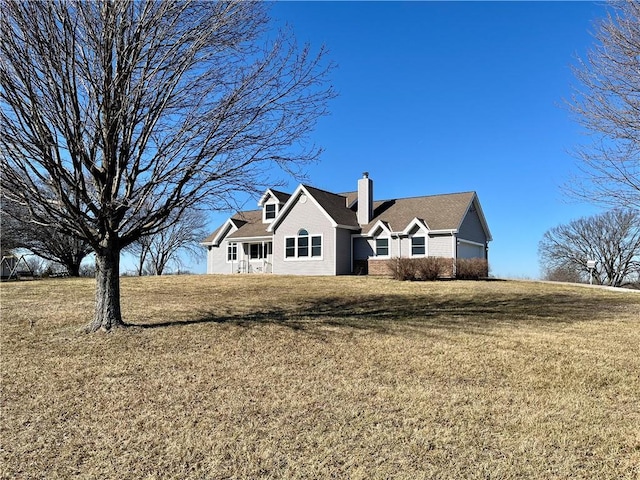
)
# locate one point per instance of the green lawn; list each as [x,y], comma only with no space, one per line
[296,377]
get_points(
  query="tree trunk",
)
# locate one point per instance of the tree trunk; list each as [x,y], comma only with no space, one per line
[107,313]
[73,269]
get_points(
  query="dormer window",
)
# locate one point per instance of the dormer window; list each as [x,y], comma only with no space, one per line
[271,204]
[270,211]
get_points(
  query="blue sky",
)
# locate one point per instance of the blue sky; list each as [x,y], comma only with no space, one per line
[440,97]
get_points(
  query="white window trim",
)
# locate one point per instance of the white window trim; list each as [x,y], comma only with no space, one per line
[264,212]
[308,258]
[416,222]
[375,246]
[384,230]
[229,244]
[426,246]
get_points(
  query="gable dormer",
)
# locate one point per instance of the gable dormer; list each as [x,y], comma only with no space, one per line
[271,203]
[379,229]
[417,226]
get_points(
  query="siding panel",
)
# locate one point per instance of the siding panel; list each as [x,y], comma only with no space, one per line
[308,216]
[471,228]
[440,246]
[467,250]
[217,259]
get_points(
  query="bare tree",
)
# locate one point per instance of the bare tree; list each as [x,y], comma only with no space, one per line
[607,105]
[156,252]
[565,272]
[9,239]
[47,242]
[118,116]
[612,239]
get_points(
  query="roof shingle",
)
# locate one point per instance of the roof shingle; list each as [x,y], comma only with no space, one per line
[439,212]
[251,225]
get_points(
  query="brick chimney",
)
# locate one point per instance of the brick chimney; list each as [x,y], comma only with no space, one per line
[365,199]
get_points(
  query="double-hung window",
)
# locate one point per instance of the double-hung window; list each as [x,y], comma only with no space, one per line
[316,246]
[270,211]
[290,247]
[382,247]
[303,245]
[232,252]
[417,246]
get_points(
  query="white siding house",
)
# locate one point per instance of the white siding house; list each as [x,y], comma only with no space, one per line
[315,232]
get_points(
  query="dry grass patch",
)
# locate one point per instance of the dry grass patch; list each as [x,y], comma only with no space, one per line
[350,377]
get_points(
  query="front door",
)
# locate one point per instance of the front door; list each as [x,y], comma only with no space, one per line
[260,256]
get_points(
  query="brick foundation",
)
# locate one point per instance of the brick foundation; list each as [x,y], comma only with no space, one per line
[381,267]
[378,267]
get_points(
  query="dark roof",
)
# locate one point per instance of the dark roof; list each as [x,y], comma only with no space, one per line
[211,236]
[335,205]
[351,197]
[281,196]
[439,212]
[251,225]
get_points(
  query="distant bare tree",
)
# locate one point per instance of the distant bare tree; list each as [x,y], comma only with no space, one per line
[611,238]
[607,105]
[155,252]
[118,116]
[48,242]
[564,273]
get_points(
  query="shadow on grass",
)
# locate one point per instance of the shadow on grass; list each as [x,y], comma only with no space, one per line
[390,312]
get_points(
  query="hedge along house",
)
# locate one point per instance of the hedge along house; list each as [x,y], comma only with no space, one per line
[315,232]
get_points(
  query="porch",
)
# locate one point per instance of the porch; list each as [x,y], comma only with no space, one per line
[251,256]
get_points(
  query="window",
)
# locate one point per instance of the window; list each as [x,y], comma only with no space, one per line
[290,247]
[316,246]
[417,246]
[303,245]
[270,211]
[232,252]
[382,247]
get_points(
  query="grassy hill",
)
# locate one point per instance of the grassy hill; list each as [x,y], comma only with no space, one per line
[349,377]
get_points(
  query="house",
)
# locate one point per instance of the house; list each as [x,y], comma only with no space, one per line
[315,232]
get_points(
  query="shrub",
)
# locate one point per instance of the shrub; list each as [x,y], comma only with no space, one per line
[472,268]
[429,268]
[402,268]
